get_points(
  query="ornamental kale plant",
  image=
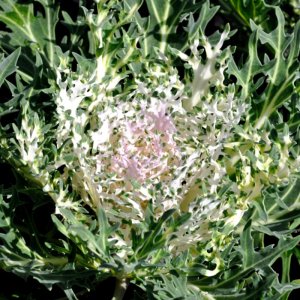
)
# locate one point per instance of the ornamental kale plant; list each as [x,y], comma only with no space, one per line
[155,142]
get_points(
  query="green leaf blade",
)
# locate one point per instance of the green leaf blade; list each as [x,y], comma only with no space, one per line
[9,65]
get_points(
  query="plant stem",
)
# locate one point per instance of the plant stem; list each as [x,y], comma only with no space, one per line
[120,289]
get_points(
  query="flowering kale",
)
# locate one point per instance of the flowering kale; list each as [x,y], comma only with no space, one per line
[169,156]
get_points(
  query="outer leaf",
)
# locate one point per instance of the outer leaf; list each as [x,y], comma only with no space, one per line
[246,10]
[284,72]
[160,28]
[28,28]
[281,71]
[247,244]
[163,19]
[250,294]
[65,278]
[154,239]
[49,31]
[252,67]
[282,207]
[173,287]
[9,65]
[260,261]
